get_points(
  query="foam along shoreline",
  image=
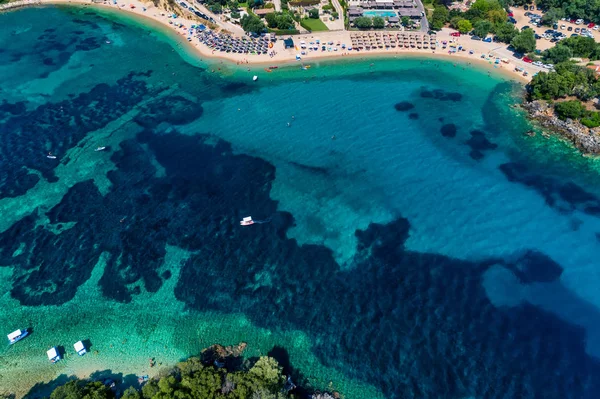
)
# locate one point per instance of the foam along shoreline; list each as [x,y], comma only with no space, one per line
[149,13]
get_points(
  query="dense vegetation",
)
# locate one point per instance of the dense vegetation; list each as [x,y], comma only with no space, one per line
[588,10]
[368,23]
[252,23]
[578,46]
[568,80]
[193,379]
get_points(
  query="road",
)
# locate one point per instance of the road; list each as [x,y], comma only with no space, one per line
[424,21]
[339,23]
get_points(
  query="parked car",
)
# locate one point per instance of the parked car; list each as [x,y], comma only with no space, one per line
[538,63]
[511,14]
[563,27]
[525,27]
[579,21]
[574,35]
[595,27]
[537,37]
[526,7]
[570,29]
[555,26]
[475,37]
[527,60]
[591,25]
[455,34]
[512,20]
[577,30]
[487,40]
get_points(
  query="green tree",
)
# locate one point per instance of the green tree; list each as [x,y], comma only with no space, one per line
[217,8]
[505,32]
[131,393]
[464,26]
[584,47]
[405,21]
[363,22]
[569,109]
[313,13]
[267,373]
[558,54]
[551,16]
[482,28]
[284,20]
[251,23]
[485,6]
[496,16]
[439,17]
[524,42]
[271,20]
[378,23]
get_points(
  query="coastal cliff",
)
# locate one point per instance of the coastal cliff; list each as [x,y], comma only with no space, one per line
[585,139]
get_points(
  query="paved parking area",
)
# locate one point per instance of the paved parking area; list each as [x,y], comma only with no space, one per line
[543,44]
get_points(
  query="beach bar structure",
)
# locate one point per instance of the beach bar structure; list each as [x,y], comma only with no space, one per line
[80,348]
[53,354]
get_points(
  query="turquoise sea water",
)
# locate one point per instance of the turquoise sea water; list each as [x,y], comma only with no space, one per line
[418,244]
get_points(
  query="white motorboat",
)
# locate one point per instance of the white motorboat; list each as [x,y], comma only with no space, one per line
[80,348]
[53,354]
[100,149]
[17,335]
[247,221]
[255,78]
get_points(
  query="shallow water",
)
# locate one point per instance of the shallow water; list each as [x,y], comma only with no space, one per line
[418,244]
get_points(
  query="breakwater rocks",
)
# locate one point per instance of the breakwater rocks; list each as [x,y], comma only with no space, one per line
[585,139]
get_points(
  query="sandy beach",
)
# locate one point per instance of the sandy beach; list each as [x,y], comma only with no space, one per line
[284,56]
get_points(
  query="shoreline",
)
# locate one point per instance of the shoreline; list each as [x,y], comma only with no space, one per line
[287,57]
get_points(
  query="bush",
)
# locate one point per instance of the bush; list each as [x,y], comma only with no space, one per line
[591,121]
[569,109]
[464,26]
[378,22]
[363,22]
[313,13]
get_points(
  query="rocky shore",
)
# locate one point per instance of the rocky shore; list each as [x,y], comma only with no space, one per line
[585,139]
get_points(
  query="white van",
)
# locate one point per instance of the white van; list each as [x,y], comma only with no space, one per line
[579,21]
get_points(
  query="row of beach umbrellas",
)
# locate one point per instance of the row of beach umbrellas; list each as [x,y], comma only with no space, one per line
[227,43]
[389,39]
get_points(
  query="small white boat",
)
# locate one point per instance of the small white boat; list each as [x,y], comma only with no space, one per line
[247,221]
[255,78]
[53,354]
[17,335]
[80,348]
[100,149]
[50,156]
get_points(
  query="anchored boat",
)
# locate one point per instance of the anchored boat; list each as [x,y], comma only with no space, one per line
[100,149]
[17,335]
[53,354]
[80,348]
